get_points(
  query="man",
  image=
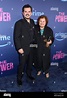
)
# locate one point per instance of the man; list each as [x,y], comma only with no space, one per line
[23,40]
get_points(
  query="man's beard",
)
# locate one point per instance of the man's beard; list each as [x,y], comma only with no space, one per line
[27,15]
[27,18]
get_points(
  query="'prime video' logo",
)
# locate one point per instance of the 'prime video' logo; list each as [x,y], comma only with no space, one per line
[36,13]
[60,36]
[63,0]
[4,40]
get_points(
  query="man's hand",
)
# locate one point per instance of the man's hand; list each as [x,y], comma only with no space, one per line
[21,51]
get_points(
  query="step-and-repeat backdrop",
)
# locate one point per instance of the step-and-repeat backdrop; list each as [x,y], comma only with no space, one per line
[11,11]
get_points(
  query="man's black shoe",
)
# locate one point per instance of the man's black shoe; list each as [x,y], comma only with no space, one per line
[19,82]
[31,78]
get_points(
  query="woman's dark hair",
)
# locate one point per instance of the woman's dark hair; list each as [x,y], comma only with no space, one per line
[26,6]
[42,16]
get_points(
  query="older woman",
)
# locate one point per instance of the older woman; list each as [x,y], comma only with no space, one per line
[44,38]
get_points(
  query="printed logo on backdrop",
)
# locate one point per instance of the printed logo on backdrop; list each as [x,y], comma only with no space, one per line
[4,66]
[60,36]
[54,9]
[37,13]
[59,55]
[4,16]
[54,64]
[64,0]
[61,17]
[4,40]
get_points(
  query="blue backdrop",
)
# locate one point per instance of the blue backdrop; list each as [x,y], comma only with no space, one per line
[11,11]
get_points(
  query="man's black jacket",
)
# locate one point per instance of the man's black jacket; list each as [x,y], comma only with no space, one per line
[23,34]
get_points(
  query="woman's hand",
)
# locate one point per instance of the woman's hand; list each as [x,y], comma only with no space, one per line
[48,43]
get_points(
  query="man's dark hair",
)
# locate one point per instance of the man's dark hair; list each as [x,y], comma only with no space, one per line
[26,6]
